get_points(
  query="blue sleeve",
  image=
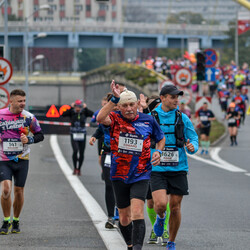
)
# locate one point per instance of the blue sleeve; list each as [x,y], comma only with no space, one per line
[93,119]
[157,133]
[190,133]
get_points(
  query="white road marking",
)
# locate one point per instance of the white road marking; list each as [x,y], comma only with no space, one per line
[248,174]
[215,156]
[111,238]
[220,164]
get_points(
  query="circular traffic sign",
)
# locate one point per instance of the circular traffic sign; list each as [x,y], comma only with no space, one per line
[183,77]
[211,58]
[186,97]
[4,98]
[165,83]
[6,71]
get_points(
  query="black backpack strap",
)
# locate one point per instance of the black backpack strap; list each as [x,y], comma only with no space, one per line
[178,117]
[156,116]
[179,129]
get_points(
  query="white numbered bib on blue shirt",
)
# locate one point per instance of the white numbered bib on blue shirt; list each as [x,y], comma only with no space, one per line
[170,157]
[130,144]
[204,118]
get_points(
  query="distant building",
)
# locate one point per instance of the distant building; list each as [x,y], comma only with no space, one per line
[65,10]
[158,11]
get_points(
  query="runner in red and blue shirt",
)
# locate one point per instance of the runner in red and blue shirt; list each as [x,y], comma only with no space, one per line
[132,164]
[130,135]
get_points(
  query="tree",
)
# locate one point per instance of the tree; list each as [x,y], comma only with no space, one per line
[170,53]
[228,52]
[13,17]
[138,13]
[91,58]
[185,17]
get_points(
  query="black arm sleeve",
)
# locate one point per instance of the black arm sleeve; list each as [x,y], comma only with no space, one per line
[98,133]
[67,112]
[38,137]
[88,112]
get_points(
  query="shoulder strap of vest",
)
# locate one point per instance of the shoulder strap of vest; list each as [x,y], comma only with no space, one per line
[156,116]
[178,114]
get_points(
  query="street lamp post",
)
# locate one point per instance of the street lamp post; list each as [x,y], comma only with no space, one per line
[26,43]
[38,57]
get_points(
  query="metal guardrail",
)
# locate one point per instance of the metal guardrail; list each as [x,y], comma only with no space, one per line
[118,27]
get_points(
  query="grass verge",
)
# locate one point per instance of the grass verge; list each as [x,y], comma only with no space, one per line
[217,130]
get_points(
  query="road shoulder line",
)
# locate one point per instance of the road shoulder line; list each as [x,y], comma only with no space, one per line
[111,238]
[216,164]
[215,156]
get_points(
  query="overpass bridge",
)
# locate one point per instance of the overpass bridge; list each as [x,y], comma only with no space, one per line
[112,35]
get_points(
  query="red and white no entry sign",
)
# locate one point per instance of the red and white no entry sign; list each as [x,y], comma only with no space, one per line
[4,98]
[183,77]
[5,71]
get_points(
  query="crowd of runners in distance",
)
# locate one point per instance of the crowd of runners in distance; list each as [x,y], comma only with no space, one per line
[230,87]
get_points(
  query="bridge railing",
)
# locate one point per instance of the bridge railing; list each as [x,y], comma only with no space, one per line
[118,27]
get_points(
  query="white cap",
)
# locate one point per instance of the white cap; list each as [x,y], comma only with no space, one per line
[127,96]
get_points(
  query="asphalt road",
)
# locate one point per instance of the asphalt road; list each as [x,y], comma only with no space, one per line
[215,215]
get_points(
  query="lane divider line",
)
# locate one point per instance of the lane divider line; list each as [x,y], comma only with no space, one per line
[218,165]
[111,238]
[215,156]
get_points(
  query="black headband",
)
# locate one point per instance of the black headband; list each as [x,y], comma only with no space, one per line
[152,105]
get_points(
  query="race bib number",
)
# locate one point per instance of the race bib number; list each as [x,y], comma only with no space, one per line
[231,120]
[12,146]
[107,162]
[170,157]
[130,144]
[204,118]
[223,99]
[78,136]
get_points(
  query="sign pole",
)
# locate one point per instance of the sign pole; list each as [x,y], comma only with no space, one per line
[6,47]
[236,39]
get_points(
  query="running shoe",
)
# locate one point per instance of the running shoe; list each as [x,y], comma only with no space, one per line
[159,225]
[75,171]
[153,239]
[206,152]
[5,227]
[202,151]
[15,227]
[235,143]
[170,245]
[110,223]
[79,172]
[164,238]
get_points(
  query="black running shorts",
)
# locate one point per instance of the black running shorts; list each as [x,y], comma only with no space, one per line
[173,182]
[18,170]
[125,192]
[205,130]
[149,194]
